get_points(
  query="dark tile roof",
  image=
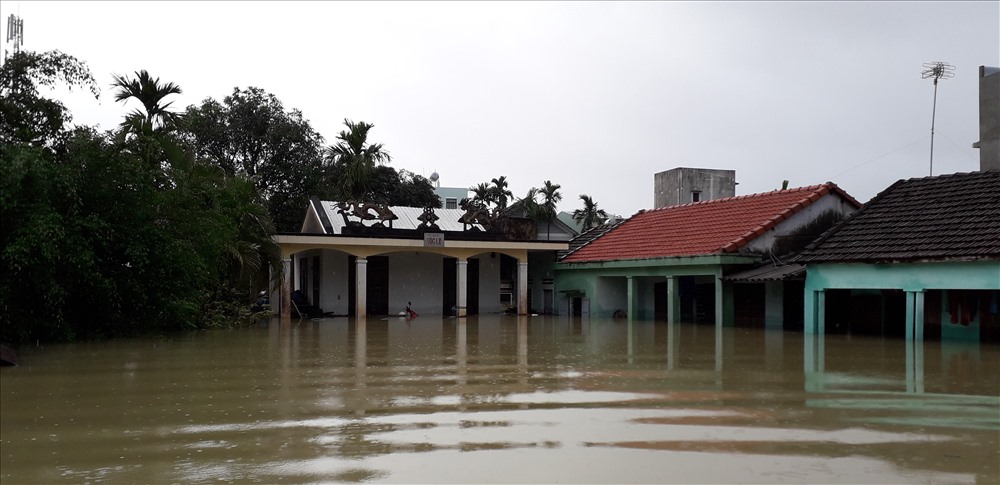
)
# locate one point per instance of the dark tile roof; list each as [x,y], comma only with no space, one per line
[944,217]
[587,236]
[701,228]
[769,272]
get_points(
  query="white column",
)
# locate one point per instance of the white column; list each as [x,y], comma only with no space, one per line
[361,288]
[297,261]
[522,287]
[463,286]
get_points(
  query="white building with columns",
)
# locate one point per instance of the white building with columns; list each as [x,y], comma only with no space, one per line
[371,261]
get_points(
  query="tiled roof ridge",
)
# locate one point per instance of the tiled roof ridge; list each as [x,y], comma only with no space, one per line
[739,197]
[956,174]
[833,230]
[817,192]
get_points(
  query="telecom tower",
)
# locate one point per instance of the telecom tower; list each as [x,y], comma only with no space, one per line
[15,32]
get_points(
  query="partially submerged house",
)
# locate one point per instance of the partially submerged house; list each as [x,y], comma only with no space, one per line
[921,258]
[370,259]
[670,262]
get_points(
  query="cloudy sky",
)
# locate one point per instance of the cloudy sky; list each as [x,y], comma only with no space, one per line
[594,96]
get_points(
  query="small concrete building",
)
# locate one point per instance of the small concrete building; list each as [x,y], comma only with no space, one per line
[683,185]
[989,118]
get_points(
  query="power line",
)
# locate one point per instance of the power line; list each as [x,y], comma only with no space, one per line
[890,152]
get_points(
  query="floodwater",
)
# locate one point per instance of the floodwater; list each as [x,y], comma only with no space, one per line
[500,399]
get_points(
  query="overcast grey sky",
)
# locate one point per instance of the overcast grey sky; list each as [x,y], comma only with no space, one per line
[594,96]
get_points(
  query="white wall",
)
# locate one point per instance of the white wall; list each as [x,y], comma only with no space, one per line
[334,285]
[489,283]
[416,277]
[829,202]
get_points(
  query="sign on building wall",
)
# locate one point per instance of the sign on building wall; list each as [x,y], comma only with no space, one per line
[433,240]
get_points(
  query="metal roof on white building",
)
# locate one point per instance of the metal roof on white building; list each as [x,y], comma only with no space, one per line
[447,218]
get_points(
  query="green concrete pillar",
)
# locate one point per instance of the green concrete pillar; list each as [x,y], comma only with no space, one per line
[630,307]
[815,311]
[673,300]
[719,301]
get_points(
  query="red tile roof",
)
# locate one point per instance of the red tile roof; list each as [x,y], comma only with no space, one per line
[700,228]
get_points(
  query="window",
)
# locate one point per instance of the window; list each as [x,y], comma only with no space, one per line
[451,203]
[695,196]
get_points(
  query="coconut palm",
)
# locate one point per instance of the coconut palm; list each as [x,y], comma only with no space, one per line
[500,192]
[150,92]
[590,216]
[481,194]
[355,159]
[550,197]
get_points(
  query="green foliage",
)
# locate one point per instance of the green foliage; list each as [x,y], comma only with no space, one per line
[105,235]
[550,197]
[251,134]
[25,117]
[150,92]
[589,216]
[354,163]
[493,195]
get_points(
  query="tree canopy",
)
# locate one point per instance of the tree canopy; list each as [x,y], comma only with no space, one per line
[251,133]
[106,235]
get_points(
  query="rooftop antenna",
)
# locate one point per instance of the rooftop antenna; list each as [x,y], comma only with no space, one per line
[936,70]
[15,32]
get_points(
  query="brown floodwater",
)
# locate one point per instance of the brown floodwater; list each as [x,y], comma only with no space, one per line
[499,399]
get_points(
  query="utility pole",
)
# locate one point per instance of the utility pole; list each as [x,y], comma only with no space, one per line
[936,70]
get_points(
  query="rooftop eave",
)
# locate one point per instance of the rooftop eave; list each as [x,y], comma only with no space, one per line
[689,260]
[951,259]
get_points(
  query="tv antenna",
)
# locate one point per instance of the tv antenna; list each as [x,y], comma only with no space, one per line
[936,70]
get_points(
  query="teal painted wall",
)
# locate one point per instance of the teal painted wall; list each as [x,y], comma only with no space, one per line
[906,276]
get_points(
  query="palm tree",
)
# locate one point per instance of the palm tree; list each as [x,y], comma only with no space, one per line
[481,194]
[150,92]
[590,216]
[355,160]
[500,192]
[550,197]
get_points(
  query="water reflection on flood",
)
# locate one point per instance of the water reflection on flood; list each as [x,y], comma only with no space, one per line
[502,400]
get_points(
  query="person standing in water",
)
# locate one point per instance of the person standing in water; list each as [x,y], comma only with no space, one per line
[409,311]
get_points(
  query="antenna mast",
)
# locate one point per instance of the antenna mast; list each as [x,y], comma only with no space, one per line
[15,32]
[936,70]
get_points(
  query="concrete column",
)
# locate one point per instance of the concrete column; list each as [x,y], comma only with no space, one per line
[673,300]
[297,261]
[719,301]
[815,311]
[909,315]
[285,300]
[361,288]
[630,304]
[463,287]
[673,344]
[522,287]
